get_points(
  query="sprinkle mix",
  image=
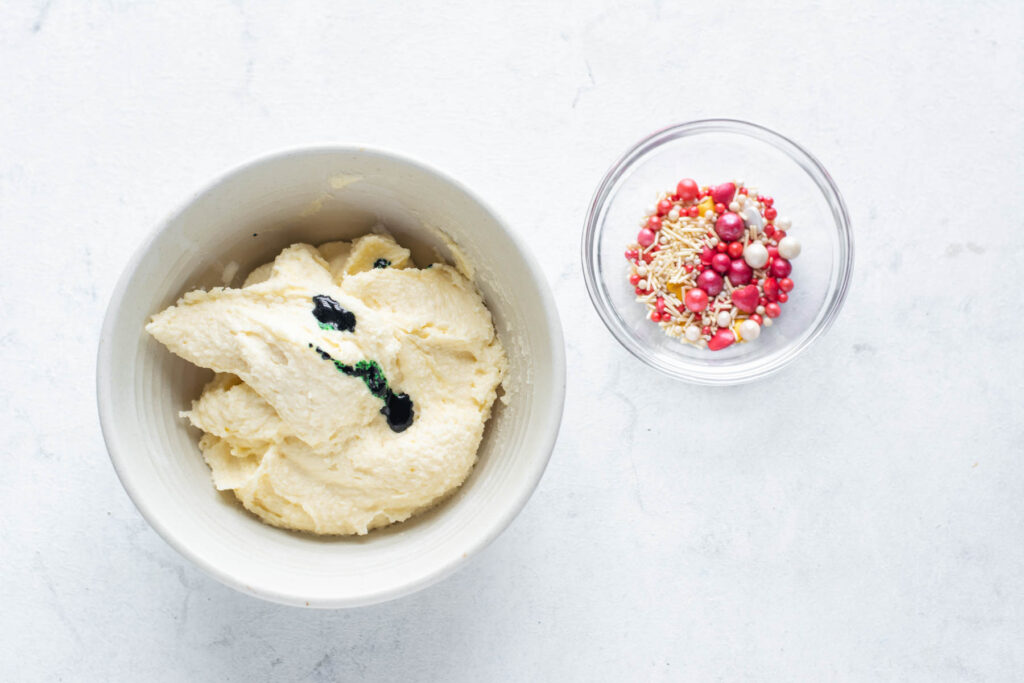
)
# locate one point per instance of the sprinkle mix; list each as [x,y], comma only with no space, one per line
[712,264]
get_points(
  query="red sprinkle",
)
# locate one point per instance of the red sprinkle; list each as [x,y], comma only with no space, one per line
[721,262]
[772,310]
[723,338]
[696,299]
[735,249]
[664,206]
[687,189]
[781,268]
[770,213]
[786,285]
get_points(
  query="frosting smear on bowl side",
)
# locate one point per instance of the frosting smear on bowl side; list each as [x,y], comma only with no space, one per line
[352,389]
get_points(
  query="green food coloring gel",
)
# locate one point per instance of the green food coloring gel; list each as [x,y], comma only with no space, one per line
[398,408]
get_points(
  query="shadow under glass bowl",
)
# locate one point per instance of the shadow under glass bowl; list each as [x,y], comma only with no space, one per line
[714,151]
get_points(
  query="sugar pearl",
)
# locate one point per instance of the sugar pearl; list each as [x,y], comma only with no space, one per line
[783,223]
[673,215]
[768,322]
[692,333]
[759,311]
[789,247]
[642,271]
[642,284]
[724,319]
[734,206]
[756,255]
[713,241]
[749,330]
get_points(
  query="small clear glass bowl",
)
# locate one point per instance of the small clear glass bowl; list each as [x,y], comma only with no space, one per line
[715,151]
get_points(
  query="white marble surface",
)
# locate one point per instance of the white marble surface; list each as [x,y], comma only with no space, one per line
[862,520]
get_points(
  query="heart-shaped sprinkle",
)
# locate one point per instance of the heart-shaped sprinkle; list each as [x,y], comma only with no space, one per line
[745,298]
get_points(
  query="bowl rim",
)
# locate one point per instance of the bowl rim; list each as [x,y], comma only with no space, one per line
[550,426]
[810,164]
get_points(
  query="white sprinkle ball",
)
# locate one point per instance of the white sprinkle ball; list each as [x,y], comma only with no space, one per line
[724,319]
[642,284]
[756,255]
[734,206]
[642,271]
[760,310]
[692,333]
[673,215]
[713,241]
[768,322]
[789,247]
[784,223]
[749,330]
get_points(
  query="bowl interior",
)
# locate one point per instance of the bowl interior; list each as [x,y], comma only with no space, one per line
[244,220]
[713,152]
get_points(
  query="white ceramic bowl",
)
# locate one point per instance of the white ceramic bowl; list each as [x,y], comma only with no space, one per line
[244,219]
